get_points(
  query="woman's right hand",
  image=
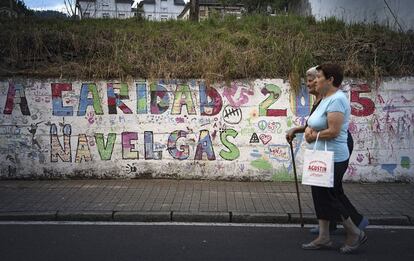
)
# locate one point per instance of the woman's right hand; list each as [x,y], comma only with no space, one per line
[310,135]
[290,135]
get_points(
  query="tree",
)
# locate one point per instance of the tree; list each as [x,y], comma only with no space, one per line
[71,7]
[50,14]
[18,6]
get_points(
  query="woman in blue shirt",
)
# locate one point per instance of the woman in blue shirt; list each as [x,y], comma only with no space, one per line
[330,120]
[356,217]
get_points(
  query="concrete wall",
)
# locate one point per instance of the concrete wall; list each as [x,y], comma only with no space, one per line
[58,128]
[371,11]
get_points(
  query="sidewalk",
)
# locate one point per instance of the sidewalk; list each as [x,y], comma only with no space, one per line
[191,201]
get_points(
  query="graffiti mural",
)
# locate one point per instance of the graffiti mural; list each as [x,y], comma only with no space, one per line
[193,129]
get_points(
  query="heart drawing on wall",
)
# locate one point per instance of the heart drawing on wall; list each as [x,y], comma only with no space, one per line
[265,138]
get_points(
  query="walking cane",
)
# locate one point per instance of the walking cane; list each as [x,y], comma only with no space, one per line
[296,183]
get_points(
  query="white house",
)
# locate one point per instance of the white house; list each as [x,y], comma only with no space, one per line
[161,10]
[104,8]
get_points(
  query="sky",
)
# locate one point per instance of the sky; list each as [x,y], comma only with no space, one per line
[57,5]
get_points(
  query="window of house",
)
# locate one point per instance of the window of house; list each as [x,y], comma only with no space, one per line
[164,17]
[105,15]
[121,15]
[164,9]
[149,17]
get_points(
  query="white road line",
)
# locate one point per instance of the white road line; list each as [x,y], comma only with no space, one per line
[102,223]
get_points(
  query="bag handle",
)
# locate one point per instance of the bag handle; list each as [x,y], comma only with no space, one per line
[317,138]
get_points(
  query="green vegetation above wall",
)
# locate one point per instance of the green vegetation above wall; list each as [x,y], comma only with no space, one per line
[251,47]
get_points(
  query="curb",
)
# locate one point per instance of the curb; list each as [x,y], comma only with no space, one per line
[142,216]
[213,217]
[398,220]
[207,217]
[308,218]
[28,216]
[84,216]
[240,217]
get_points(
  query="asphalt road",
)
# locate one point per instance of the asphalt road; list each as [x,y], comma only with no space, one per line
[186,242]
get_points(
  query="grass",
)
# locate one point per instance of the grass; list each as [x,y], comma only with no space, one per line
[283,174]
[251,47]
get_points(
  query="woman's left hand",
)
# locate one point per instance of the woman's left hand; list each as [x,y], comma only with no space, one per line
[310,135]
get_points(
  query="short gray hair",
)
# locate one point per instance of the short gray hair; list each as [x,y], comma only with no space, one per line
[312,71]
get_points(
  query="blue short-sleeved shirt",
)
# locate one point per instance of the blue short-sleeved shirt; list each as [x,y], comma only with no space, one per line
[337,102]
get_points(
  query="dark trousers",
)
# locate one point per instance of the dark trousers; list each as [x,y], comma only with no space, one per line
[332,203]
[328,202]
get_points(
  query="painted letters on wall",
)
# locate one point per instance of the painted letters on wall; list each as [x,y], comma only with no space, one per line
[192,129]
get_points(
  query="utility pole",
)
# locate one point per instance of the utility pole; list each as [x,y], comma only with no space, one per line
[194,10]
[12,10]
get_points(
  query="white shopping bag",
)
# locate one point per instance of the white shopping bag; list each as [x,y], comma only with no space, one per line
[318,167]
